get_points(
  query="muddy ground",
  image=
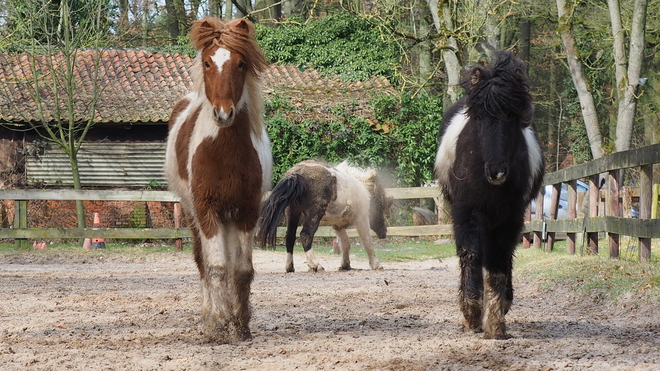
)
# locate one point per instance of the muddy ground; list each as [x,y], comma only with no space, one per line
[116,312]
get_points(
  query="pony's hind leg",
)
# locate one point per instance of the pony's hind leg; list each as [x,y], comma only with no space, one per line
[345,247]
[310,225]
[292,219]
[368,242]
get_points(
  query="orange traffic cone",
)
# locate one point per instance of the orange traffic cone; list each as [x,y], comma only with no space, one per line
[97,243]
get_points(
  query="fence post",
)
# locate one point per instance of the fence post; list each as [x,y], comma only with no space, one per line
[554,205]
[527,237]
[20,221]
[572,214]
[655,201]
[594,195]
[177,224]
[614,210]
[645,191]
[539,216]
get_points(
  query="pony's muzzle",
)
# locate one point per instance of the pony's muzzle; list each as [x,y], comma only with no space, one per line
[496,174]
[224,117]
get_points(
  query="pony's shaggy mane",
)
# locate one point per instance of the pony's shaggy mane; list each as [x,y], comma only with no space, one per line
[237,36]
[499,90]
[366,176]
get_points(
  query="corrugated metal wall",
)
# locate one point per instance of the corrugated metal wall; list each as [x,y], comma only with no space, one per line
[102,164]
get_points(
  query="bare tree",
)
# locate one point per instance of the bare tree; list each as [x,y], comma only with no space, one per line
[627,77]
[587,104]
[48,70]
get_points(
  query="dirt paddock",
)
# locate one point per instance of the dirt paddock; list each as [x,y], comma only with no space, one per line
[141,313]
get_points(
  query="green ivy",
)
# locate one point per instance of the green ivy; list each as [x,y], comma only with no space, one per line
[338,44]
[407,147]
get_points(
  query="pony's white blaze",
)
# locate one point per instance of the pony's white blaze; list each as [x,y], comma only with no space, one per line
[535,155]
[220,57]
[444,159]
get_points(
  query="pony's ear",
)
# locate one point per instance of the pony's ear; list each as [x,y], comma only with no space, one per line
[244,25]
[475,76]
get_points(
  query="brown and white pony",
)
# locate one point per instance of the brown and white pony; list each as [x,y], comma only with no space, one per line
[219,162]
[340,196]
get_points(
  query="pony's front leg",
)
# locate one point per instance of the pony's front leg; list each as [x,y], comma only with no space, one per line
[241,280]
[216,308]
[368,242]
[469,236]
[345,247]
[498,266]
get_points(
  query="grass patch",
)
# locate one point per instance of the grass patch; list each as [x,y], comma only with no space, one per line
[389,250]
[597,276]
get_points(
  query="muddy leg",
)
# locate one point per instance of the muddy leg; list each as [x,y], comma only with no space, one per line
[310,226]
[292,220]
[241,281]
[216,307]
[469,239]
[495,306]
[345,247]
[498,266]
[367,241]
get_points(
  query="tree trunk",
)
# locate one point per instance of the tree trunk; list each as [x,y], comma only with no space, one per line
[229,10]
[275,9]
[215,8]
[442,17]
[587,104]
[424,49]
[172,23]
[525,39]
[123,17]
[628,102]
[75,171]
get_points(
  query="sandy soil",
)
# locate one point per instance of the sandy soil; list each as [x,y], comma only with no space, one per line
[141,313]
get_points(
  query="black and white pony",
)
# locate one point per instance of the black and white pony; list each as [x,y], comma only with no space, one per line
[317,193]
[489,165]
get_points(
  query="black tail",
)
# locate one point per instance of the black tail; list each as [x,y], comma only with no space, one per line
[287,191]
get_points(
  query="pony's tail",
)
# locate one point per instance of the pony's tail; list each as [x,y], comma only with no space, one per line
[287,191]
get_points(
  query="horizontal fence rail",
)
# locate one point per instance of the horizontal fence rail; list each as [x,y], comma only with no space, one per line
[609,219]
[535,231]
[23,232]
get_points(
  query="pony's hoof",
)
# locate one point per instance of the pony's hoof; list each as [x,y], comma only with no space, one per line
[290,270]
[377,268]
[497,336]
[243,334]
[345,268]
[471,329]
[318,268]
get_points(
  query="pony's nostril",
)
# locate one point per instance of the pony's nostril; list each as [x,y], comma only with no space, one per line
[231,113]
[496,174]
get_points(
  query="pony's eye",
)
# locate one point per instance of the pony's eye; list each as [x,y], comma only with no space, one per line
[207,64]
[241,64]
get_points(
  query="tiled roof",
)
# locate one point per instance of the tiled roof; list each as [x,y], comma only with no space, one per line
[138,85]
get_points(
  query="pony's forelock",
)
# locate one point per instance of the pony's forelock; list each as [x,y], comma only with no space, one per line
[237,36]
[500,89]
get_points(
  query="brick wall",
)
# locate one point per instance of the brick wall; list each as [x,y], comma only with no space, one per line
[112,214]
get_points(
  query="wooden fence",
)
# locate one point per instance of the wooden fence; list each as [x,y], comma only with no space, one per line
[645,228]
[610,221]
[21,230]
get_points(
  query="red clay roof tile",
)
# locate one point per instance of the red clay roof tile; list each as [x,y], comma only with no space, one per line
[138,85]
